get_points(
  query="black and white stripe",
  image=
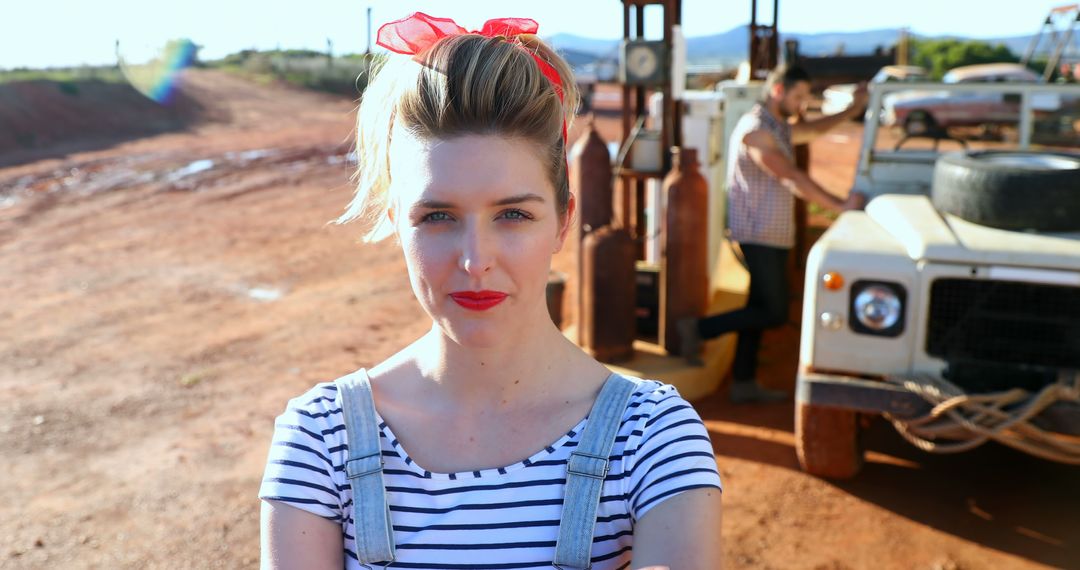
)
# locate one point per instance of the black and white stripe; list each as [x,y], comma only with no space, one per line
[493,518]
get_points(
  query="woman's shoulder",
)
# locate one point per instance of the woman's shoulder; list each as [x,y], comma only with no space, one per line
[650,395]
[305,463]
[656,406]
[666,449]
[316,411]
[320,398]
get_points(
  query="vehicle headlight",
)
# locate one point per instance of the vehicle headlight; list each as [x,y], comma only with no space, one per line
[877,308]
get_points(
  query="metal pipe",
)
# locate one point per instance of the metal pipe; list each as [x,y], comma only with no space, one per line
[1025,120]
[870,131]
[1056,57]
[369,29]
[1033,46]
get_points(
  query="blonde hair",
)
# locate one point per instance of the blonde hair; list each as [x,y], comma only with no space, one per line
[466,84]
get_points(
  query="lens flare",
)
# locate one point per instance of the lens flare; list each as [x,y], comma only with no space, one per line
[158,78]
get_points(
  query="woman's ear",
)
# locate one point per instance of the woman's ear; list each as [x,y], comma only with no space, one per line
[565,223]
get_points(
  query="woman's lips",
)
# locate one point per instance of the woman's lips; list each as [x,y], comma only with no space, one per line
[478,300]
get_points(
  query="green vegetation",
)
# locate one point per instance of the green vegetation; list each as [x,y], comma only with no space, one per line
[939,56]
[346,75]
[68,75]
[815,210]
[69,80]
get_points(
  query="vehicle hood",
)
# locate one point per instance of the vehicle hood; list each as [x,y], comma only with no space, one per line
[929,235]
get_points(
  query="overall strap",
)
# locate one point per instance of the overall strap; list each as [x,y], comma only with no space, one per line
[364,469]
[585,473]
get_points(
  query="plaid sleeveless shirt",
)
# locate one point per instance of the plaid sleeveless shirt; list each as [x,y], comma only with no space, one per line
[760,210]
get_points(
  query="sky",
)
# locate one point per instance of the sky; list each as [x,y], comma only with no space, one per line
[46,33]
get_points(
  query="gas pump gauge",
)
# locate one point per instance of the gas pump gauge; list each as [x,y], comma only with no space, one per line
[643,62]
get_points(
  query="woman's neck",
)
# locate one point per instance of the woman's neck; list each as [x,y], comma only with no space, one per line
[488,377]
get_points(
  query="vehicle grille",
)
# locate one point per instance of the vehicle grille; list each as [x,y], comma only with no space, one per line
[1029,327]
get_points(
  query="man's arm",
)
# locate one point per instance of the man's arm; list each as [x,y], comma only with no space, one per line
[763,150]
[805,131]
[681,533]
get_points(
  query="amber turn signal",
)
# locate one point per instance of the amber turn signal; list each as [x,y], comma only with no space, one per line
[833,281]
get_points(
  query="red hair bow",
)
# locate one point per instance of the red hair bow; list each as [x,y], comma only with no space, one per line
[417,32]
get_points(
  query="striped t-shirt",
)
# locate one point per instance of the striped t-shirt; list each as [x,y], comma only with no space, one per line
[503,518]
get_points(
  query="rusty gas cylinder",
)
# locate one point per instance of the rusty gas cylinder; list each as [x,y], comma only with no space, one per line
[590,179]
[684,279]
[608,293]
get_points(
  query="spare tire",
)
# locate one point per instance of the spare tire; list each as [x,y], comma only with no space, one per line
[1011,190]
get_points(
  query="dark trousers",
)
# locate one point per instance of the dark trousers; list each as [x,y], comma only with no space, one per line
[766,308]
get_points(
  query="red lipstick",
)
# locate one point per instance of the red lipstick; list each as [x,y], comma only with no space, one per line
[478,300]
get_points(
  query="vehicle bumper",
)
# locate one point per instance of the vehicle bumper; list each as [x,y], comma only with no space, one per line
[869,396]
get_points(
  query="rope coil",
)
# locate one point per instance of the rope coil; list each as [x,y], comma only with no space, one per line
[1001,416]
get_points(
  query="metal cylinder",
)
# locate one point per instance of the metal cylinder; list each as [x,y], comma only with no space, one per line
[684,278]
[590,179]
[556,286]
[608,291]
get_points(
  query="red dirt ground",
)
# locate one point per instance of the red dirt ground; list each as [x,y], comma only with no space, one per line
[157,313]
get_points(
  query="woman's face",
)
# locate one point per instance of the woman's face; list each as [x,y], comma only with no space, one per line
[477,221]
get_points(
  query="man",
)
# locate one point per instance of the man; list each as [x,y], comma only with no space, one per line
[762,184]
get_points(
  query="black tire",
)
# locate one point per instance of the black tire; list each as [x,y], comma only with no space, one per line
[920,123]
[827,441]
[1010,190]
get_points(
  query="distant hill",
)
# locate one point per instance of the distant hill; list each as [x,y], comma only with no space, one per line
[596,47]
[730,47]
[578,58]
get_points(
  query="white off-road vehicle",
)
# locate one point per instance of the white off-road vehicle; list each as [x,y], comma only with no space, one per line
[951,305]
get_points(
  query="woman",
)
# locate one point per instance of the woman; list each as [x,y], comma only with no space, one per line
[462,158]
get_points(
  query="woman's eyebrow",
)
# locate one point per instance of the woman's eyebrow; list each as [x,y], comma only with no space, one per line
[517,199]
[527,197]
[432,204]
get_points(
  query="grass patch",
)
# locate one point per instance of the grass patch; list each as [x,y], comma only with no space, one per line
[64,75]
[194,378]
[815,210]
[345,75]
[342,81]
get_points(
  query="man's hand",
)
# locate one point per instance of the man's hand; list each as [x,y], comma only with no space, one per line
[860,97]
[855,201]
[802,132]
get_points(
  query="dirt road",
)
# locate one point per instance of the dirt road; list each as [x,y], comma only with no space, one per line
[161,299]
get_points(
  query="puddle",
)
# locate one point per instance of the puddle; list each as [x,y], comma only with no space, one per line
[335,159]
[81,181]
[192,168]
[250,155]
[106,175]
[264,294]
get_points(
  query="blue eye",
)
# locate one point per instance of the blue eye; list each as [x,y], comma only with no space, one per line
[516,215]
[436,217]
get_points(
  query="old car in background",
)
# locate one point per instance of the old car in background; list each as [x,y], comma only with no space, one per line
[951,305]
[931,112]
[838,97]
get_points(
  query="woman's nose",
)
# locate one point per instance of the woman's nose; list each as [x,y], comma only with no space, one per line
[477,251]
